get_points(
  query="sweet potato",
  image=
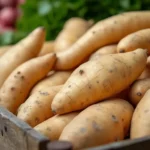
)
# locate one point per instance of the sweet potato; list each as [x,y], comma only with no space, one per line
[19,83]
[138,89]
[53,127]
[123,94]
[148,62]
[40,101]
[24,50]
[72,31]
[109,49]
[97,80]
[57,78]
[48,47]
[139,39]
[105,32]
[4,49]
[102,123]
[145,73]
[141,120]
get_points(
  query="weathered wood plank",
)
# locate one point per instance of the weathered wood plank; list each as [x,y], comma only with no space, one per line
[17,135]
[135,144]
[59,145]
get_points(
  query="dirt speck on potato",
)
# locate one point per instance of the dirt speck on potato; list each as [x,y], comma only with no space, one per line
[37,120]
[139,94]
[83,130]
[146,111]
[114,118]
[81,72]
[95,126]
[48,129]
[12,88]
[122,51]
[22,77]
[18,72]
[93,32]
[69,86]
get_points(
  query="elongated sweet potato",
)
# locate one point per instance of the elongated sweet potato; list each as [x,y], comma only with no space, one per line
[19,83]
[24,50]
[145,73]
[97,80]
[102,123]
[57,78]
[141,120]
[139,39]
[53,127]
[108,31]
[109,49]
[73,29]
[4,49]
[40,101]
[138,89]
[48,47]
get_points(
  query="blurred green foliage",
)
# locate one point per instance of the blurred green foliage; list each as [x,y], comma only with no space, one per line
[52,14]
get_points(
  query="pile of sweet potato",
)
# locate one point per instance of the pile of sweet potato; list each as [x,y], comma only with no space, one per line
[89,87]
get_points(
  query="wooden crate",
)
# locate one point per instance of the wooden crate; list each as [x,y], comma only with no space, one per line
[17,135]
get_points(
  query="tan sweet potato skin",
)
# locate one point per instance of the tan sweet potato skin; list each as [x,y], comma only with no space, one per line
[19,83]
[139,39]
[138,89]
[73,29]
[53,127]
[100,35]
[109,76]
[109,49]
[40,101]
[145,73]
[4,49]
[48,47]
[99,124]
[57,78]
[26,49]
[141,120]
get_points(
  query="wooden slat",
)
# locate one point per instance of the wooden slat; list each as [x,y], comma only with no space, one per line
[17,135]
[135,144]
[59,145]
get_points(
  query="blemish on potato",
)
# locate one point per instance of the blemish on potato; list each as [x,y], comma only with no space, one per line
[37,120]
[122,51]
[114,118]
[37,102]
[139,94]
[97,82]
[95,126]
[81,72]
[48,129]
[122,119]
[93,32]
[90,86]
[44,93]
[54,111]
[146,111]
[18,72]
[12,88]
[115,22]
[22,77]
[111,71]
[82,103]
[83,130]
[69,86]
